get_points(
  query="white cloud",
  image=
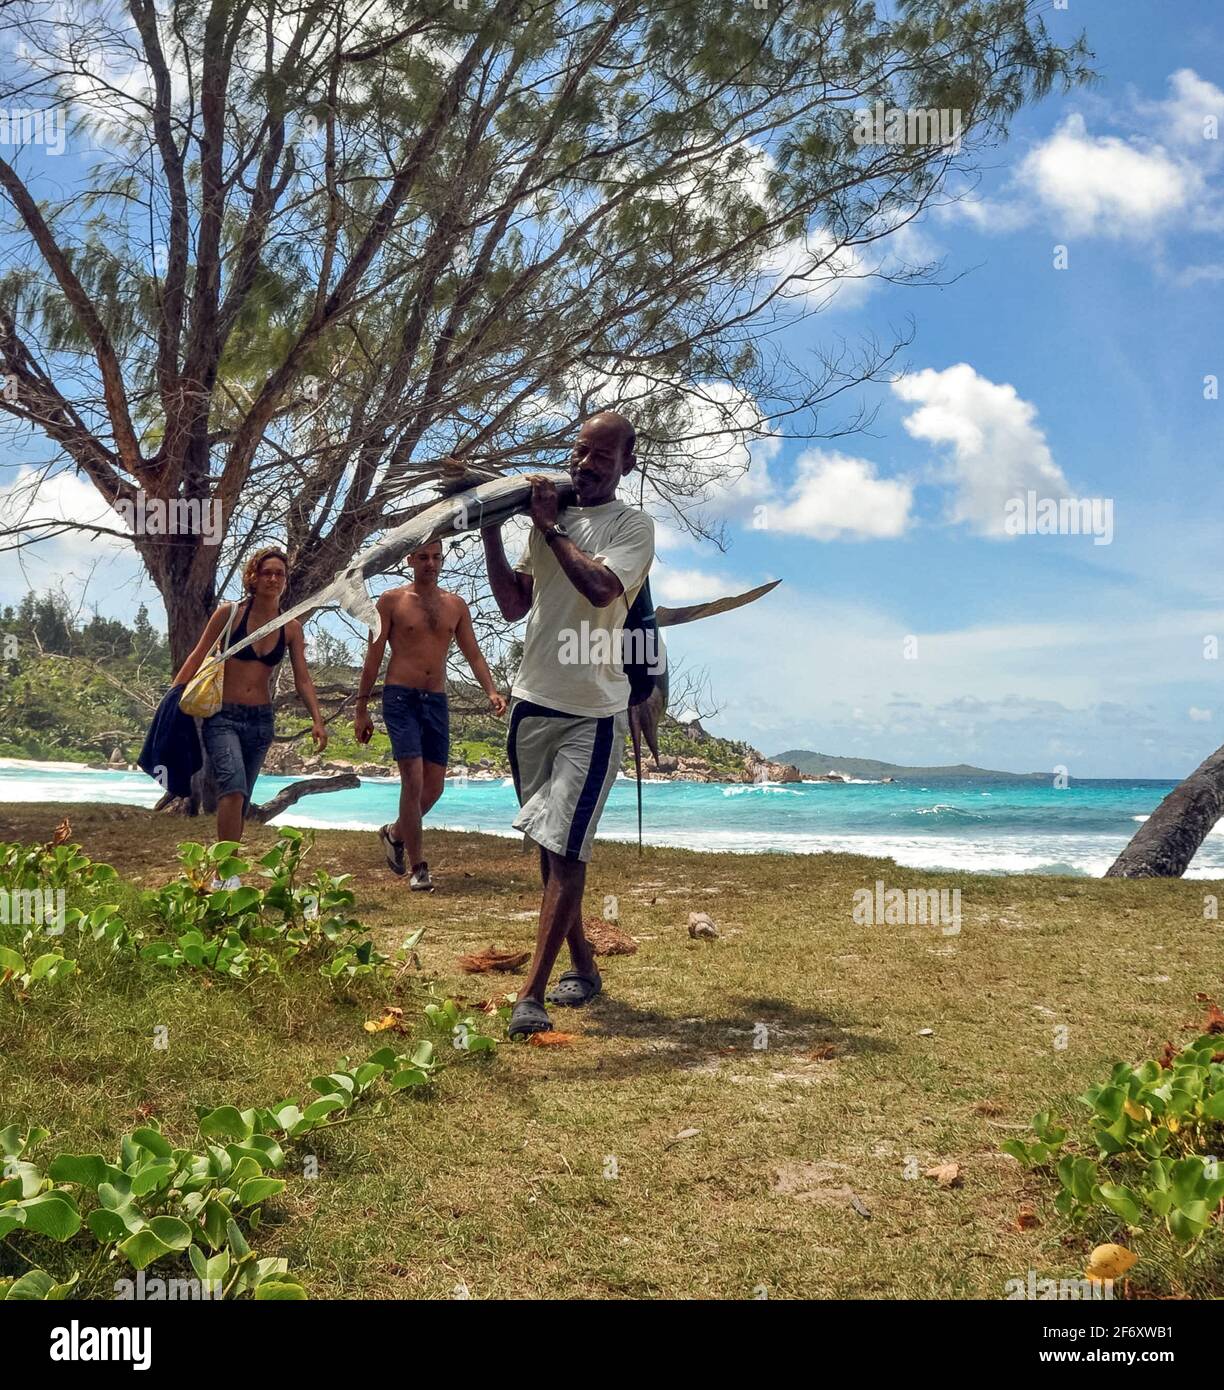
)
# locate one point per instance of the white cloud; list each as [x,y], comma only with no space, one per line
[1192,117]
[832,496]
[833,274]
[835,496]
[99,570]
[995,448]
[1151,179]
[31,500]
[1199,716]
[823,269]
[687,586]
[1104,185]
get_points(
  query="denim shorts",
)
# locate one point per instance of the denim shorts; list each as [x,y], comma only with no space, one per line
[418,722]
[237,739]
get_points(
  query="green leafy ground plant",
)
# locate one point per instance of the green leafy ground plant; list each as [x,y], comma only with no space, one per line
[237,932]
[158,1204]
[1151,1157]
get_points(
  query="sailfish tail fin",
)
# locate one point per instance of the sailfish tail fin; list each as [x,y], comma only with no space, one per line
[350,589]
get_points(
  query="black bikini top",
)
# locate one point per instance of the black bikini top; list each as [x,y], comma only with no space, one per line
[272,658]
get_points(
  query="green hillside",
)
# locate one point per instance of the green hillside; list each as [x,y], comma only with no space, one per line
[73,691]
[811,764]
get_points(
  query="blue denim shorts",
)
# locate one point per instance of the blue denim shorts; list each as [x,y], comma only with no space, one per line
[418,722]
[237,739]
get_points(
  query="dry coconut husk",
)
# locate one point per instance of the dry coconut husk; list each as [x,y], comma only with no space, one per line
[480,962]
[607,939]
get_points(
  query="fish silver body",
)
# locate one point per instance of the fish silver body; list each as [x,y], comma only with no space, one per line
[463,509]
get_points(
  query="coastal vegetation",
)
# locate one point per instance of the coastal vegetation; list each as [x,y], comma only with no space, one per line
[675,1141]
[76,690]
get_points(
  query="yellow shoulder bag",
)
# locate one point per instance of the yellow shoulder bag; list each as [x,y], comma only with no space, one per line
[202,697]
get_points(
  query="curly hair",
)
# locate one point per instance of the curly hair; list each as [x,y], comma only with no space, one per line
[251,571]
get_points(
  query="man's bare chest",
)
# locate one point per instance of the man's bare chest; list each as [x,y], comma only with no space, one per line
[417,618]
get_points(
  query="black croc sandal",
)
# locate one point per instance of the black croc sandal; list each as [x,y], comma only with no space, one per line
[528,1017]
[393,850]
[574,989]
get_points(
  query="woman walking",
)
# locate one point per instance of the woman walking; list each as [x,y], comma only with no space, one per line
[238,736]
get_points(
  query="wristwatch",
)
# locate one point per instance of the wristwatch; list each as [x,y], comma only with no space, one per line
[552,532]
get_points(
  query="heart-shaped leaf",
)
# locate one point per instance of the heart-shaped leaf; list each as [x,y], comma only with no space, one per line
[52,1214]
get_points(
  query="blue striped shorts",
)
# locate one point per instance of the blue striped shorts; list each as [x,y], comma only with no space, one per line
[564,766]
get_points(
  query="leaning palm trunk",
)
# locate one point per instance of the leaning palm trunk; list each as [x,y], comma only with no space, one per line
[1169,839]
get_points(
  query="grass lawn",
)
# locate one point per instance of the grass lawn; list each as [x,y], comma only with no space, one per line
[887,1045]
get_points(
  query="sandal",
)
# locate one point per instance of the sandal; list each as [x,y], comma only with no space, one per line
[574,989]
[528,1017]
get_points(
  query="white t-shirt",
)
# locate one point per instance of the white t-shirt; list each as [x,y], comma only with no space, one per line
[571,649]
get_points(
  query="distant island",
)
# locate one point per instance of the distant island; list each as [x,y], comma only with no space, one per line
[813,764]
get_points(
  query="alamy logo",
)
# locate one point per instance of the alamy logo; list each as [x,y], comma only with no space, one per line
[171,516]
[1031,515]
[1058,1290]
[77,1343]
[891,125]
[902,907]
[154,1289]
[34,907]
[22,126]
[587,646]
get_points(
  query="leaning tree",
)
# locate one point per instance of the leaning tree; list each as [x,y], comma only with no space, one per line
[295,254]
[1168,840]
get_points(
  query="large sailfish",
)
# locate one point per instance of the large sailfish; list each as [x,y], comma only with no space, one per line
[471,499]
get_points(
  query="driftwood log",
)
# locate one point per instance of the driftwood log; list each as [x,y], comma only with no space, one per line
[1168,840]
[296,790]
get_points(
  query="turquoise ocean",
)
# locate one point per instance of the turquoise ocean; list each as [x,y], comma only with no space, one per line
[982,826]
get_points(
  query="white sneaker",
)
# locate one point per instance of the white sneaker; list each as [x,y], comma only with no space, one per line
[420,882]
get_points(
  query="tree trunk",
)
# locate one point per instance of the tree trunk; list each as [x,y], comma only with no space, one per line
[188,609]
[189,605]
[287,796]
[1169,839]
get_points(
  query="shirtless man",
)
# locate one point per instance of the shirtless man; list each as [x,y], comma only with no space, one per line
[419,620]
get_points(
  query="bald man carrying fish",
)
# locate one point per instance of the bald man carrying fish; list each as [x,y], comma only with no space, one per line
[577,580]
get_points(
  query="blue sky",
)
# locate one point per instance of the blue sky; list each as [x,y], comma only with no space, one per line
[1032,651]
[908,626]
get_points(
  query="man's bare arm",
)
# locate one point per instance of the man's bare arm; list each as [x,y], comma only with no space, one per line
[363,725]
[374,653]
[593,580]
[465,639]
[511,589]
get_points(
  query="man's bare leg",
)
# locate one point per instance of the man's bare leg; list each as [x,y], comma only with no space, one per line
[407,829]
[582,955]
[560,917]
[229,816]
[433,784]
